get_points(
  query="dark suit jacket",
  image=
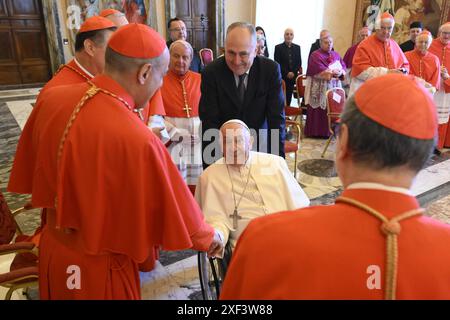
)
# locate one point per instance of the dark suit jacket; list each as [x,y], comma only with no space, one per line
[282,57]
[407,46]
[196,64]
[264,102]
[315,46]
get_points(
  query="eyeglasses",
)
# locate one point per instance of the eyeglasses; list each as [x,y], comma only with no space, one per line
[177,30]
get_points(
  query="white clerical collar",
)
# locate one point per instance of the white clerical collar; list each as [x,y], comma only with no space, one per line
[82,68]
[378,186]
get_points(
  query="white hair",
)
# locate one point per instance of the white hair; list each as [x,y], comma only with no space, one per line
[429,36]
[186,44]
[379,21]
[445,25]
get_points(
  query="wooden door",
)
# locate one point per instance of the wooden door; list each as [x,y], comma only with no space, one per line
[24,57]
[198,15]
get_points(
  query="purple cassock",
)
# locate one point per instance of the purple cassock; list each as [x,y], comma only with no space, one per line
[316,89]
[348,58]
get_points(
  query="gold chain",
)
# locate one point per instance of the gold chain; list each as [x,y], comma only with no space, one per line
[90,93]
[237,204]
[74,70]
[421,68]
[186,104]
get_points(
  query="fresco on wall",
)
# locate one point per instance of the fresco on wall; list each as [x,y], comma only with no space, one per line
[112,4]
[77,11]
[135,11]
[432,13]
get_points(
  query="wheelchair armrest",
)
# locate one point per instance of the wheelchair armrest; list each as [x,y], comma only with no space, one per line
[20,275]
[19,247]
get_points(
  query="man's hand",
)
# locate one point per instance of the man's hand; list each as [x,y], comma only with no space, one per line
[395,71]
[444,73]
[338,73]
[216,246]
[157,131]
[327,75]
[290,75]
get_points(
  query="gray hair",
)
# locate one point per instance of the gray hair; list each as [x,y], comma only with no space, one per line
[244,25]
[184,43]
[444,26]
[324,31]
[260,37]
[328,37]
[378,147]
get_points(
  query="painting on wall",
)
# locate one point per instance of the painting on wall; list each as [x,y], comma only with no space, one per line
[77,11]
[432,13]
[135,11]
[112,4]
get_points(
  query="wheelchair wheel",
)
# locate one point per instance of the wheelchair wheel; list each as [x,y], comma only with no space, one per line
[210,279]
[212,273]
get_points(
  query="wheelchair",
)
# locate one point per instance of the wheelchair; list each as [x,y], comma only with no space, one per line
[212,272]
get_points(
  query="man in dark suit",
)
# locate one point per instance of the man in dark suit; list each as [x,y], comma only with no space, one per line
[414,30]
[177,31]
[242,86]
[289,56]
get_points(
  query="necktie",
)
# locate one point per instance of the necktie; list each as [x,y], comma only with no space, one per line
[241,88]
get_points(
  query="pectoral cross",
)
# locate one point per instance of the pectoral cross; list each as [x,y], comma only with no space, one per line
[186,105]
[139,113]
[187,110]
[421,68]
[236,217]
[387,54]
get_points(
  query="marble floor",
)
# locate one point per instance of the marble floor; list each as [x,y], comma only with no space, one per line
[176,275]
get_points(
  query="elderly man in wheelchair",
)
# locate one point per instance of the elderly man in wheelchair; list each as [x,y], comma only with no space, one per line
[241,186]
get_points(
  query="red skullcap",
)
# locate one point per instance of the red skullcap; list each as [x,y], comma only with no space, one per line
[137,41]
[96,23]
[399,103]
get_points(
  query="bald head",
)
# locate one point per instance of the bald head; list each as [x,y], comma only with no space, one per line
[236,142]
[240,47]
[289,36]
[140,77]
[324,34]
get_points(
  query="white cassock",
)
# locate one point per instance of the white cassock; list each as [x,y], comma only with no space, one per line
[187,154]
[271,188]
[442,101]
